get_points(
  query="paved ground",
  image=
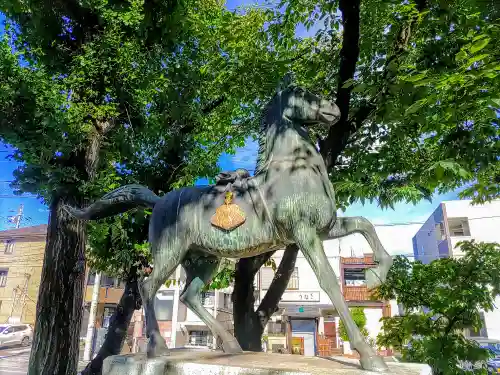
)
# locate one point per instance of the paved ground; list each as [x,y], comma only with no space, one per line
[14,361]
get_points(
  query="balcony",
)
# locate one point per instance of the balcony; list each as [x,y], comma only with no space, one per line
[366,260]
[356,293]
[106,295]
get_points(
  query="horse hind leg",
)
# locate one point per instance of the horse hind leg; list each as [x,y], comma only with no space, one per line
[163,266]
[199,272]
[345,226]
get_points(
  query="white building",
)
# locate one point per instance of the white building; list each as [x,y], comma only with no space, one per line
[455,221]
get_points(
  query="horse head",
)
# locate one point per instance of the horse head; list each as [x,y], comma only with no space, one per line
[302,107]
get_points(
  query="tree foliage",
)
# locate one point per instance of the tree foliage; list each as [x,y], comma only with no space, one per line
[418,81]
[359,317]
[442,299]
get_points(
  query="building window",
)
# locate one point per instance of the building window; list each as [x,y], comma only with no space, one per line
[200,338]
[208,298]
[459,226]
[293,283]
[276,328]
[354,277]
[3,277]
[481,332]
[164,305]
[9,246]
[91,279]
[228,303]
[266,277]
[106,317]
[108,282]
[440,234]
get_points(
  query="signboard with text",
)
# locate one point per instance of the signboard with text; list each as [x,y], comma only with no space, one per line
[298,296]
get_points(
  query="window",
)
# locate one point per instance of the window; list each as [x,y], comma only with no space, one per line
[228,303]
[354,277]
[267,276]
[481,332]
[293,283]
[91,280]
[440,235]
[3,277]
[276,328]
[164,305]
[459,226]
[9,246]
[107,282]
[106,318]
[207,298]
[199,338]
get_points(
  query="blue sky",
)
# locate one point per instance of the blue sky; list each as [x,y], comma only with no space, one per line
[37,213]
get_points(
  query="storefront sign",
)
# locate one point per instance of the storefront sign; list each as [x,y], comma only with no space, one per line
[302,311]
[297,296]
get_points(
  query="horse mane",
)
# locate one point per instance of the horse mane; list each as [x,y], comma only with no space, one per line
[261,164]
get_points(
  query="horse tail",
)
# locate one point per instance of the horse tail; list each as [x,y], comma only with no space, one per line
[116,202]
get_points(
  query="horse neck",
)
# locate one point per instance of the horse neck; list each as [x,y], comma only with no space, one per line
[286,144]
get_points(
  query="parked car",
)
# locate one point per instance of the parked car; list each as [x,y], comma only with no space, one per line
[15,334]
[493,364]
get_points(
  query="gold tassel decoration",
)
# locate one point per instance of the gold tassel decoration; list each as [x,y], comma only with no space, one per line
[228,216]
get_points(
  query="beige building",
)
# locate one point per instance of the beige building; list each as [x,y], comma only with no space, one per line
[21,260]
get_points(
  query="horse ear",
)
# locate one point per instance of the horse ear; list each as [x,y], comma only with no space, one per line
[286,81]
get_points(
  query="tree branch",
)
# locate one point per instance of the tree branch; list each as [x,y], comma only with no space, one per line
[213,105]
[339,135]
[269,304]
[349,54]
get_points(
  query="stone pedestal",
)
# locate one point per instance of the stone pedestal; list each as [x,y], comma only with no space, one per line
[204,362]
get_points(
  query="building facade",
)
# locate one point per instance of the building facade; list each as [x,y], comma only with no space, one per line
[455,221]
[307,320]
[21,259]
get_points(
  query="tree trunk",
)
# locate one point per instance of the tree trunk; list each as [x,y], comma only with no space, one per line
[56,341]
[119,323]
[249,323]
[87,352]
[59,309]
[247,327]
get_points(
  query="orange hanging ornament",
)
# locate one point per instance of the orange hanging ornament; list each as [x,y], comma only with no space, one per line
[228,216]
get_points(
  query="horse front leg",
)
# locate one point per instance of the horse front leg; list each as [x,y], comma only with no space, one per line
[312,247]
[345,226]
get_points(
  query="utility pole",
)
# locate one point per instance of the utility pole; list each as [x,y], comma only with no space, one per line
[87,353]
[16,219]
[24,295]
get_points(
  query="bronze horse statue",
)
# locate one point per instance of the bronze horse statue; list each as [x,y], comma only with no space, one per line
[288,200]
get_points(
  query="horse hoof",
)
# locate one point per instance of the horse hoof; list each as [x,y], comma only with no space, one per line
[373,278]
[377,275]
[231,347]
[373,363]
[157,351]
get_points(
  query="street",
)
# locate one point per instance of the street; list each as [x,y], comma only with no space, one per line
[14,361]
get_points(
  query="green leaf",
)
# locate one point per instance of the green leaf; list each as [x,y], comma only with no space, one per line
[479,45]
[462,55]
[415,106]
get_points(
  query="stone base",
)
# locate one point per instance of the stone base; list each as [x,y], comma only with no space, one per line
[204,362]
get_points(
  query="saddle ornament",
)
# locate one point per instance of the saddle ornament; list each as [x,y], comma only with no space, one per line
[228,216]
